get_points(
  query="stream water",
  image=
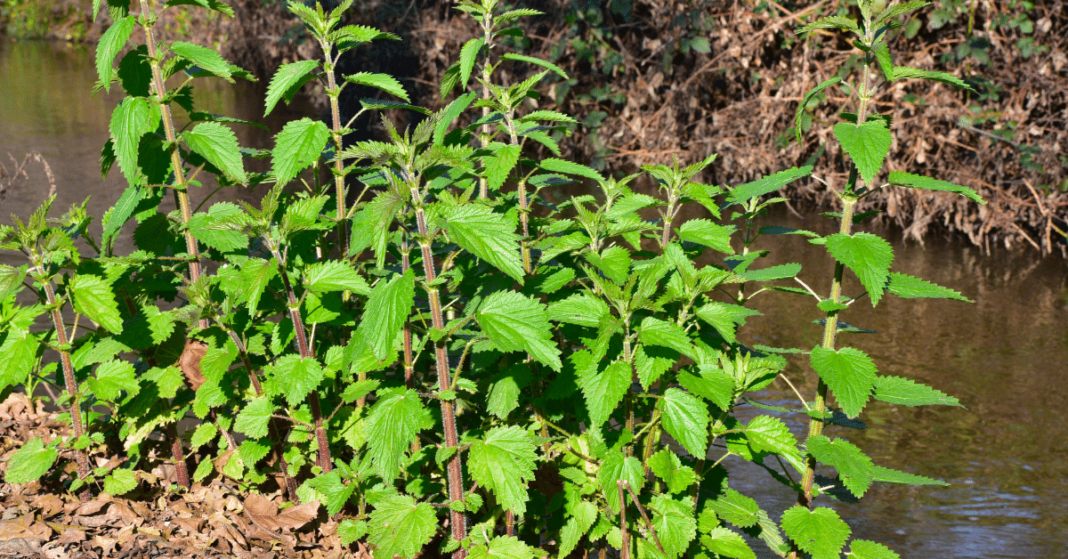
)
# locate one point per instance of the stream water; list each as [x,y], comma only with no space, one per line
[1005,357]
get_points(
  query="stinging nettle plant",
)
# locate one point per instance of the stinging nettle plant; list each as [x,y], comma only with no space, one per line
[447,358]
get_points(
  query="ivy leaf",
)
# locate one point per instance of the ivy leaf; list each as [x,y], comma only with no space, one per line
[722,541]
[387,310]
[399,526]
[604,391]
[905,392]
[867,144]
[500,164]
[618,467]
[503,547]
[109,46]
[504,463]
[675,524]
[393,424]
[864,549]
[133,117]
[849,372]
[468,55]
[296,377]
[486,235]
[385,82]
[869,256]
[908,180]
[286,81]
[93,298]
[297,146]
[771,183]
[725,317]
[686,419]
[120,481]
[218,145]
[205,58]
[254,418]
[705,232]
[112,378]
[30,462]
[738,509]
[854,467]
[820,532]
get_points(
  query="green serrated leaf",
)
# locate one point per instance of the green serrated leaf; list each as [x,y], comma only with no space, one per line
[335,275]
[110,44]
[93,298]
[286,81]
[908,180]
[853,466]
[819,532]
[120,481]
[30,462]
[385,82]
[297,146]
[705,232]
[205,58]
[905,392]
[808,99]
[570,168]
[399,526]
[618,467]
[686,420]
[864,549]
[515,322]
[536,61]
[218,145]
[887,475]
[869,256]
[387,310]
[503,462]
[500,165]
[849,372]
[867,145]
[738,509]
[468,55]
[394,422]
[487,235]
[296,377]
[725,317]
[113,377]
[254,418]
[604,391]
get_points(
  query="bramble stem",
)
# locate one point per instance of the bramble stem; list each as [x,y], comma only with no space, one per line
[457,523]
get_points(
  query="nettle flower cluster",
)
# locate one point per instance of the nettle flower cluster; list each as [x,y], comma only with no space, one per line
[424,345]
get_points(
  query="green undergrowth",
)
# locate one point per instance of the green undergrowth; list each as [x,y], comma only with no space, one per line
[406,332]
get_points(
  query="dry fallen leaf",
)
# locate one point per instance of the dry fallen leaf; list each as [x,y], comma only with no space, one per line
[189,362]
[265,514]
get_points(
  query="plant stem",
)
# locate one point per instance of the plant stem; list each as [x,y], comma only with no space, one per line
[458,523]
[273,430]
[301,335]
[69,380]
[624,548]
[339,178]
[409,360]
[641,510]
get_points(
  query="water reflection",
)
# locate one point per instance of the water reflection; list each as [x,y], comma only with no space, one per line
[1004,357]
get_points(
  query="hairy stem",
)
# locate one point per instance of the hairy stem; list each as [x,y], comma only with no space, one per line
[70,381]
[458,523]
[624,548]
[339,178]
[409,359]
[301,335]
[645,517]
[273,429]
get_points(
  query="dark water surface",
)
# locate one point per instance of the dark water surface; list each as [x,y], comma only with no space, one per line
[1005,357]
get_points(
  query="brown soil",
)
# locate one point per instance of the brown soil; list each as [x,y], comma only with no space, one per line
[40,520]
